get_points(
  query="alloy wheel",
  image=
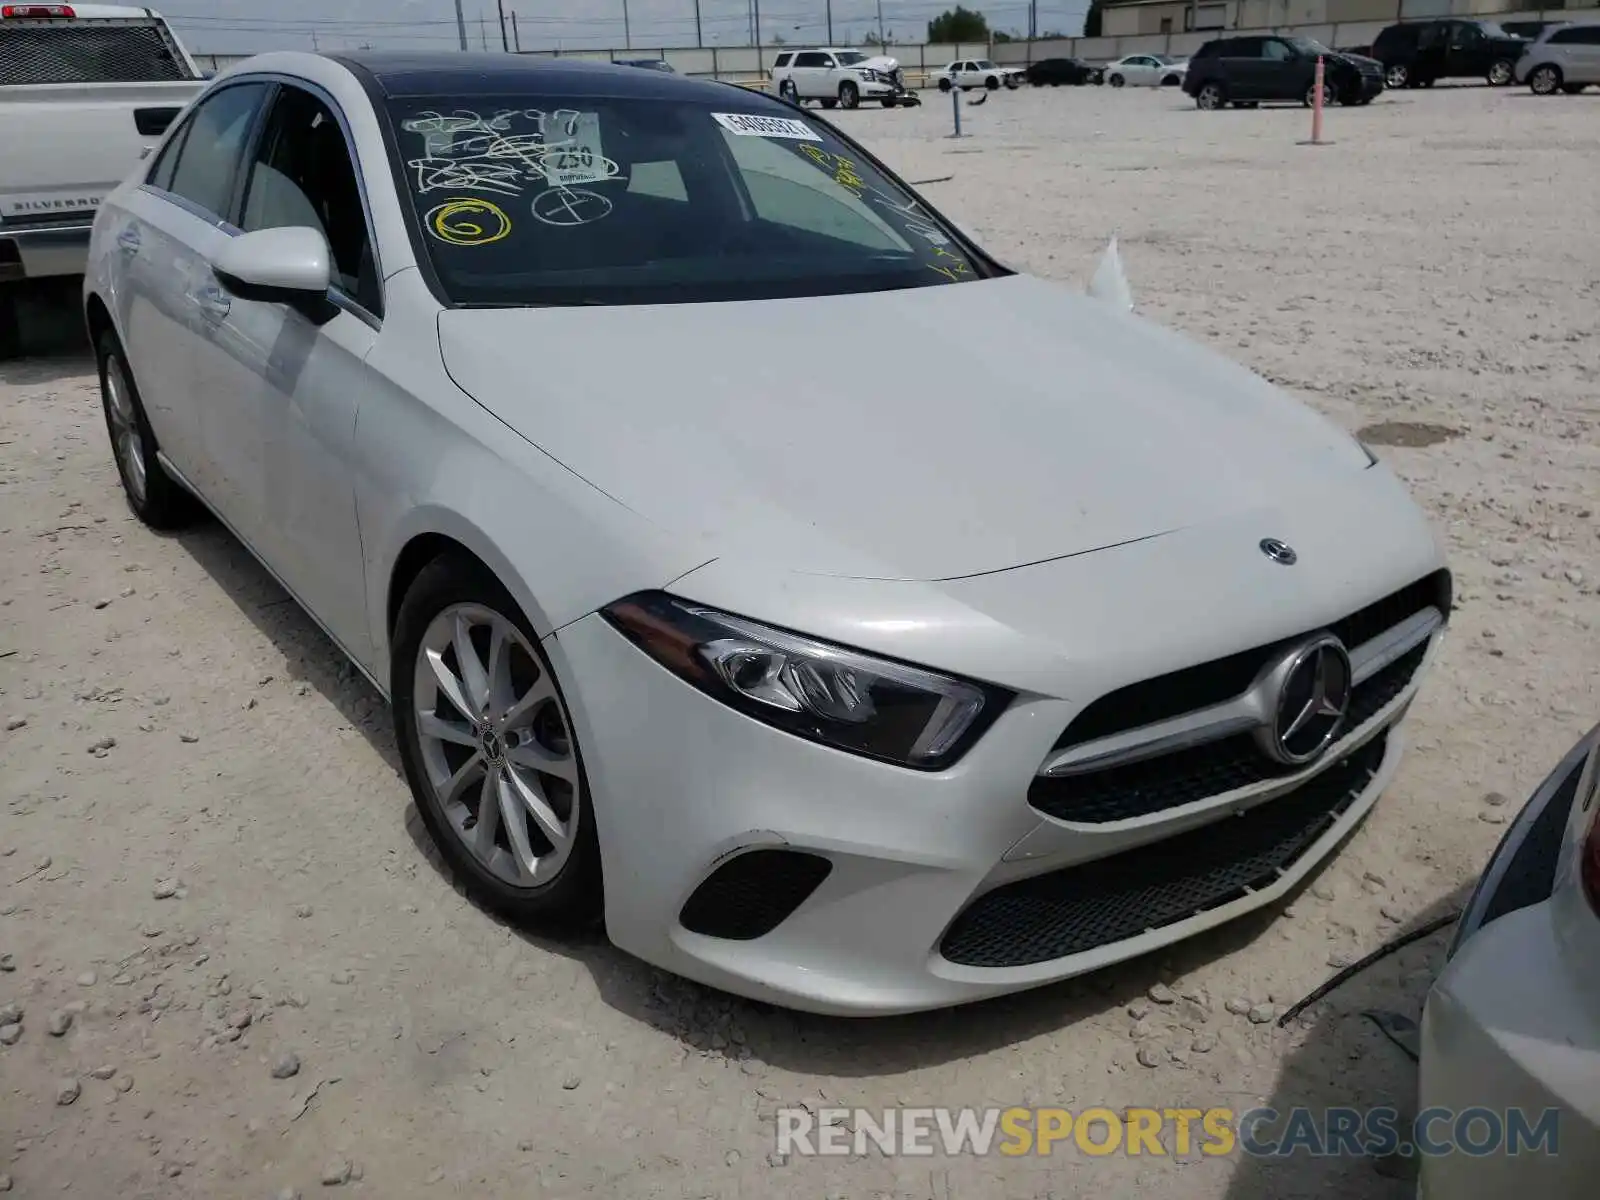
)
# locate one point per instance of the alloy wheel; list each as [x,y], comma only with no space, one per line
[126,440]
[1210,97]
[1500,73]
[1396,76]
[1544,81]
[496,745]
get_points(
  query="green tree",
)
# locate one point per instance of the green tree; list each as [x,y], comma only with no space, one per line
[959,25]
[1091,19]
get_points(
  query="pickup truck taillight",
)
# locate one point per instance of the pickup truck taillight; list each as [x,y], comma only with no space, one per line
[38,12]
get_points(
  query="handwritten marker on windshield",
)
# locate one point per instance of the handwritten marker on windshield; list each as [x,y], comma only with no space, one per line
[1110,284]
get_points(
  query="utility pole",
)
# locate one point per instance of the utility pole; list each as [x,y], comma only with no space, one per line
[314,45]
[627,33]
[483,31]
[880,22]
[504,44]
[830,22]
[699,38]
[461,24]
[516,36]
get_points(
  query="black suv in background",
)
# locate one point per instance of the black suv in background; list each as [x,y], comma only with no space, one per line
[1417,53]
[1244,71]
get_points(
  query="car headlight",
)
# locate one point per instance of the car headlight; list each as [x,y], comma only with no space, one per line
[869,76]
[830,694]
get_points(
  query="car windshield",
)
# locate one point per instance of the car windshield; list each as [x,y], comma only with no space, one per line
[1309,46]
[985,65]
[1492,29]
[849,58]
[522,200]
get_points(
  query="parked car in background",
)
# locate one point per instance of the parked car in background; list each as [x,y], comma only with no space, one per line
[1566,58]
[855,749]
[972,73]
[1528,29]
[648,64]
[836,77]
[84,91]
[1056,71]
[1246,71]
[1512,1025]
[1145,70]
[1418,53]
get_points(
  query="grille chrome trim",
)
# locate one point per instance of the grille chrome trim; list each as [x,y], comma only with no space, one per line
[1248,711]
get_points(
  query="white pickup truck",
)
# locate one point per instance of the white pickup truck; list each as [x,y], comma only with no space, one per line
[85,91]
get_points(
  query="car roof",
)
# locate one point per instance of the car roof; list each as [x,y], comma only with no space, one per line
[399,73]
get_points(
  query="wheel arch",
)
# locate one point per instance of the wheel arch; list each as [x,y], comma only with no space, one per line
[97,318]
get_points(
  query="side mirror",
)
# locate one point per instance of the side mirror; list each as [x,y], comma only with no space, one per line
[279,266]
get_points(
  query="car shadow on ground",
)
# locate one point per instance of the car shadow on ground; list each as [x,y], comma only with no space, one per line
[703,1018]
[1343,1059]
[54,340]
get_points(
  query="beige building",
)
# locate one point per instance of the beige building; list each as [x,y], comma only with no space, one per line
[1124,18]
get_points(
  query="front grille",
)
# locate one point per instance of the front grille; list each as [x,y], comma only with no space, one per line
[749,896]
[1097,904]
[1199,772]
[135,51]
[1222,679]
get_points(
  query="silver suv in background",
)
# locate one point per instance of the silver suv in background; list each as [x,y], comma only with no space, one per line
[1566,58]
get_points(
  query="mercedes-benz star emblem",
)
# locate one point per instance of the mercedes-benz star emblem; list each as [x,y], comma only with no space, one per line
[1279,552]
[1309,694]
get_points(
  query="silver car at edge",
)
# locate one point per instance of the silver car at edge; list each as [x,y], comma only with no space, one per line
[1511,1030]
[1565,58]
[859,702]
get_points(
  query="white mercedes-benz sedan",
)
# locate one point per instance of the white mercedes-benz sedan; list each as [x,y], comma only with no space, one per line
[858,702]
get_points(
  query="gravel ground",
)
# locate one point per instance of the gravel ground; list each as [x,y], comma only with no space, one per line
[213,884]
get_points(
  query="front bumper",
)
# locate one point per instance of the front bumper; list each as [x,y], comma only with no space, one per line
[36,251]
[941,888]
[1512,1022]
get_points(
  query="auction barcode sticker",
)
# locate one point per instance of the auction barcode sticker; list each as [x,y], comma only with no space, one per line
[751,125]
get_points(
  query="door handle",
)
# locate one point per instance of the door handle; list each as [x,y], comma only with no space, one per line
[212,301]
[128,240]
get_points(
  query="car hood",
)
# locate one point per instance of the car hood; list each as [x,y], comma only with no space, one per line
[929,433]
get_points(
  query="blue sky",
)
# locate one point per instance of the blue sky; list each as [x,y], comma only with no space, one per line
[242,26]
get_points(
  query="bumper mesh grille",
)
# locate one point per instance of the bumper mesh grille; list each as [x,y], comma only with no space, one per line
[749,896]
[98,51]
[1200,772]
[1081,908]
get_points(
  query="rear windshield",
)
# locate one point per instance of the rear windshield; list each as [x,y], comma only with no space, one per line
[523,201]
[136,51]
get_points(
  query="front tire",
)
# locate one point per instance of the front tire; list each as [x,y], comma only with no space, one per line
[1545,80]
[154,496]
[1117,81]
[849,95]
[1501,72]
[1329,95]
[1211,97]
[945,85]
[1397,76]
[489,748]
[992,84]
[1170,81]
